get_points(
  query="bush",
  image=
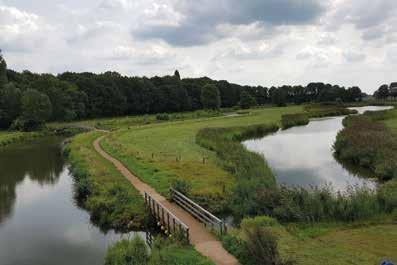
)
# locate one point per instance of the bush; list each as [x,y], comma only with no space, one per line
[182,186]
[124,252]
[291,120]
[255,244]
[162,117]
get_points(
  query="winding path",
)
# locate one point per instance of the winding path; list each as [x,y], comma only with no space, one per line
[203,241]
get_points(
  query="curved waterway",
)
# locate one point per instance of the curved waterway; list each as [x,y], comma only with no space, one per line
[303,156]
[40,222]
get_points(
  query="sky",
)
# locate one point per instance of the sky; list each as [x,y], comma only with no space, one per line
[253,42]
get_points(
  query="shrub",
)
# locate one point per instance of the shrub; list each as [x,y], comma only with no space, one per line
[125,252]
[162,117]
[182,186]
[255,244]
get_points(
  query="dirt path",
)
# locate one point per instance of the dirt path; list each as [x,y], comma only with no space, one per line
[203,241]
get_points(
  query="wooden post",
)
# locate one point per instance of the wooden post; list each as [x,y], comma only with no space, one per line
[173,221]
[168,223]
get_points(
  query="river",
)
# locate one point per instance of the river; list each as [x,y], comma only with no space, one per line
[40,223]
[303,156]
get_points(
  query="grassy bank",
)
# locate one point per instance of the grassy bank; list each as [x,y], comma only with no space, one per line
[324,110]
[161,153]
[10,137]
[368,142]
[111,200]
[291,120]
[364,243]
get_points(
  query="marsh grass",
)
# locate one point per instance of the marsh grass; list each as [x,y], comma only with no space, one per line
[291,120]
[367,142]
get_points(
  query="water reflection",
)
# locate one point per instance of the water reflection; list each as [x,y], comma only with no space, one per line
[303,156]
[40,222]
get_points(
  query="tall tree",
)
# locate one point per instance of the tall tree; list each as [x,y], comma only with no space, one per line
[10,104]
[3,71]
[246,100]
[210,97]
[279,97]
[382,92]
[36,110]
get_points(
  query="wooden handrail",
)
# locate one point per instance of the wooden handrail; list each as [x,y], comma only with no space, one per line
[197,211]
[165,217]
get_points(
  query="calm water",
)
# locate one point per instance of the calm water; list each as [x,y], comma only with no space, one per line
[39,221]
[303,156]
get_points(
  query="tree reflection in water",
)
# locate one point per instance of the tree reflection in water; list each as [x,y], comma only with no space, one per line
[40,161]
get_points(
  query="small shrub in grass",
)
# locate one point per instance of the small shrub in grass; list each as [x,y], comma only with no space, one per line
[387,195]
[255,244]
[182,186]
[125,252]
[162,117]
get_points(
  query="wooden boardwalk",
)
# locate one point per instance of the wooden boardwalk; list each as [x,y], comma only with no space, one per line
[202,240]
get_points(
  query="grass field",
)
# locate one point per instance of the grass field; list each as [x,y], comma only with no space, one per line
[366,245]
[161,153]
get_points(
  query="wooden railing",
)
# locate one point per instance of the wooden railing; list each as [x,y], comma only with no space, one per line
[204,216]
[168,221]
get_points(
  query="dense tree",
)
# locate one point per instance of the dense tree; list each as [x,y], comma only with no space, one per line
[10,104]
[36,110]
[246,100]
[3,71]
[210,98]
[382,92]
[279,97]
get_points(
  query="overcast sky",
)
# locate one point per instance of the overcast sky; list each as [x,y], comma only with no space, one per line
[255,42]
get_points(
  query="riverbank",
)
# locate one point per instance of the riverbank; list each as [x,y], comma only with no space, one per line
[106,194]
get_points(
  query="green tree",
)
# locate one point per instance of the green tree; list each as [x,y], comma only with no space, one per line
[10,104]
[279,97]
[3,71]
[382,92]
[246,100]
[36,110]
[210,97]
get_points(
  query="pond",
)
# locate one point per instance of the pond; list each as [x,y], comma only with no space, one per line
[39,220]
[303,156]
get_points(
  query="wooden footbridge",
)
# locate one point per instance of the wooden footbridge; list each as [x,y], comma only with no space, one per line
[181,215]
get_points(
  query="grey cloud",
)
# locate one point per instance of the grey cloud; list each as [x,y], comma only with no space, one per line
[201,18]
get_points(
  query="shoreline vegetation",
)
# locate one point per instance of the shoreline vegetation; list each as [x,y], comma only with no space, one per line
[113,203]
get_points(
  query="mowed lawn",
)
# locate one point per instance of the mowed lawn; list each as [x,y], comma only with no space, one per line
[161,153]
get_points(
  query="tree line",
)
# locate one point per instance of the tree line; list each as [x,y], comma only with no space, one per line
[28,100]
